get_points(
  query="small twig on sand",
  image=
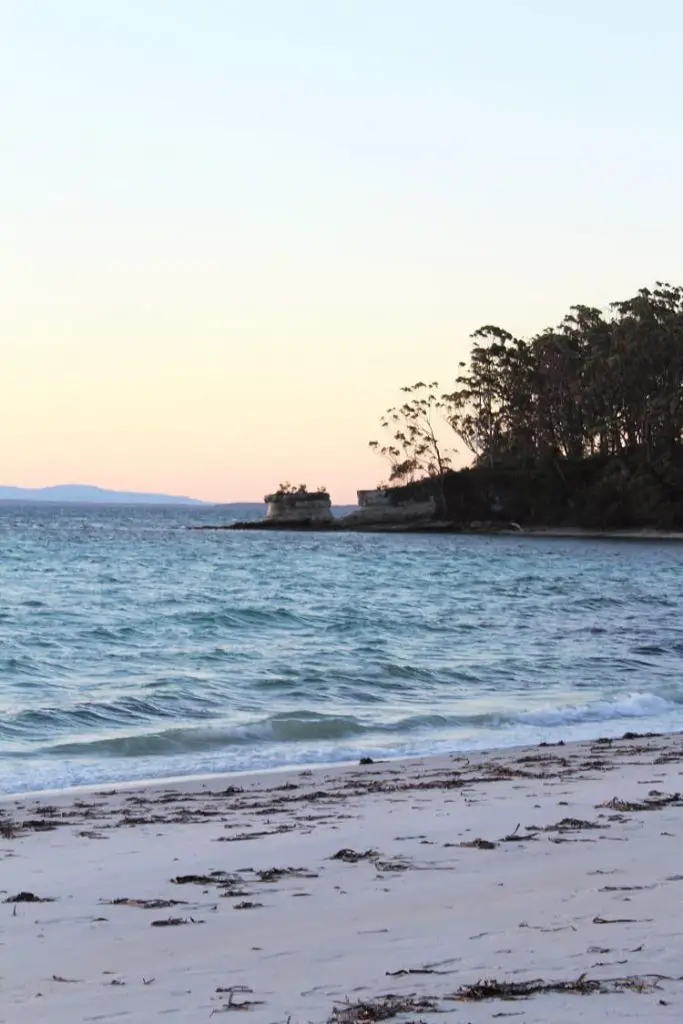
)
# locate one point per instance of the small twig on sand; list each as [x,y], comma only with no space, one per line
[245,1004]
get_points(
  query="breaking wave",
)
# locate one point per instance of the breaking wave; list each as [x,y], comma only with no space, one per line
[311,728]
[131,647]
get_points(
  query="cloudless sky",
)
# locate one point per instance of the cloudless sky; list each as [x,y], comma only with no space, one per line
[230,231]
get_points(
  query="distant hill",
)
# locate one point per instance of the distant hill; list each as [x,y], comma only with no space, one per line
[82,494]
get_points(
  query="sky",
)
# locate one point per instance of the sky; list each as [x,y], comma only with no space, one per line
[231,230]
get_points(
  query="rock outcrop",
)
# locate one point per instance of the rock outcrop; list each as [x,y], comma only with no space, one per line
[383,507]
[299,507]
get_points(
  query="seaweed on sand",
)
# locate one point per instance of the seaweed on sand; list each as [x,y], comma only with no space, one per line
[353,856]
[29,897]
[10,829]
[383,1008]
[491,988]
[276,874]
[572,825]
[124,901]
[214,878]
[170,922]
[655,802]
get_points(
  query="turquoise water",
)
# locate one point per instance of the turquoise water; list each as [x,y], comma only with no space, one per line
[132,647]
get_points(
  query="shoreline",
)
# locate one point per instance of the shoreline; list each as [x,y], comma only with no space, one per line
[313,768]
[615,727]
[452,529]
[352,893]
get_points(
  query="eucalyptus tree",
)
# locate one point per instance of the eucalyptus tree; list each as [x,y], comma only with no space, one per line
[600,385]
[415,449]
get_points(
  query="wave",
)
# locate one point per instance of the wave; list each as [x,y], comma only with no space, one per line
[277,729]
[100,714]
[238,618]
[633,705]
[311,728]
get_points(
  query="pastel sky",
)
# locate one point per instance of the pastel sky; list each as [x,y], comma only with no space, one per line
[230,231]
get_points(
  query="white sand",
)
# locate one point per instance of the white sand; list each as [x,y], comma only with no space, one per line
[604,901]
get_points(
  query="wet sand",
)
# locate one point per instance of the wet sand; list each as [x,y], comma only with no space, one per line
[541,884]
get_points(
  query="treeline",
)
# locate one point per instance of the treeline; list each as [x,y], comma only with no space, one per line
[603,390]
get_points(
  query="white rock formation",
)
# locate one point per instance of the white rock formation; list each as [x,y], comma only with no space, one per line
[299,507]
[377,507]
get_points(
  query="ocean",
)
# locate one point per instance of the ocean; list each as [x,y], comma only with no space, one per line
[134,648]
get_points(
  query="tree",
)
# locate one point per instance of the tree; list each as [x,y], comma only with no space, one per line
[414,449]
[596,399]
[595,384]
[491,408]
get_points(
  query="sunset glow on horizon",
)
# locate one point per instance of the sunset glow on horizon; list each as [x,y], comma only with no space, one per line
[232,232]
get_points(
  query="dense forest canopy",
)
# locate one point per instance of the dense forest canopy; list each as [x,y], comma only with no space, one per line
[598,383]
[580,425]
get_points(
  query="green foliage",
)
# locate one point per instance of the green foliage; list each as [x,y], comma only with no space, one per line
[595,384]
[580,425]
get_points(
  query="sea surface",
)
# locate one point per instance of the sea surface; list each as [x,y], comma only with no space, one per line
[132,647]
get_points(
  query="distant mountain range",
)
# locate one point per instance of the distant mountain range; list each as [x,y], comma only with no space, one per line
[82,494]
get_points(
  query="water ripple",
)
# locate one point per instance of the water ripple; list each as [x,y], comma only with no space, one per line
[131,647]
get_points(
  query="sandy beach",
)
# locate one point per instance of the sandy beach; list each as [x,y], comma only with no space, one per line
[355,894]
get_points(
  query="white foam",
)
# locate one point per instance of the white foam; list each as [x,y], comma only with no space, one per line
[632,705]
